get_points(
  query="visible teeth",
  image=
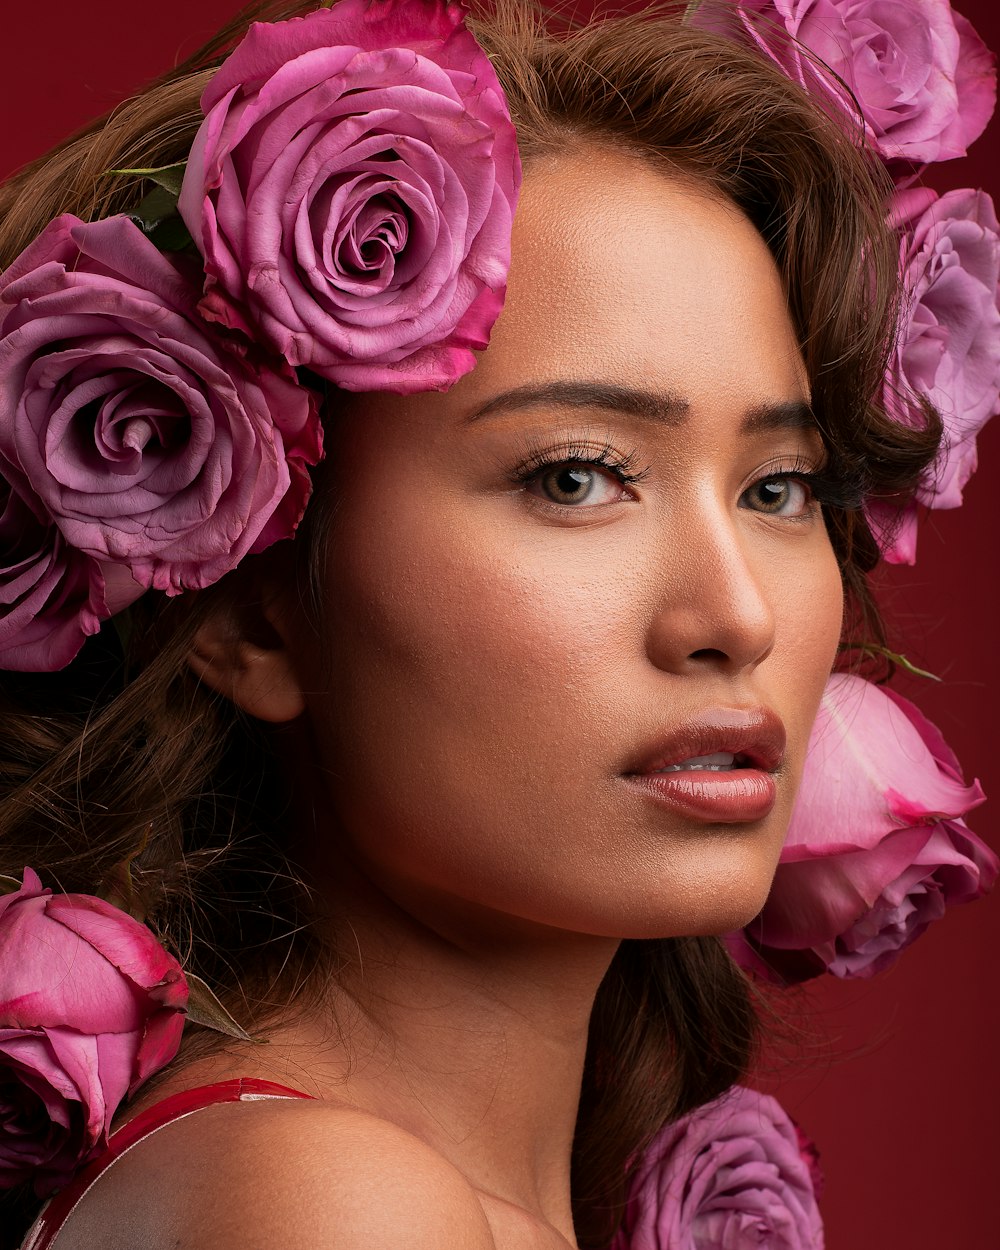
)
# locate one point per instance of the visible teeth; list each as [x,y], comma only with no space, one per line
[720,762]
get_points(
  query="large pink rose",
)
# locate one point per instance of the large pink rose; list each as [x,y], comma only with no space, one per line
[140,434]
[924,80]
[352,190]
[948,348]
[90,1006]
[733,1175]
[877,846]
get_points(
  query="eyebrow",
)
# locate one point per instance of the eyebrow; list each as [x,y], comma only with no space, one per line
[663,407]
[647,405]
[793,414]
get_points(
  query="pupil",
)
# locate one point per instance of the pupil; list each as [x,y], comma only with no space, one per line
[572,481]
[774,492]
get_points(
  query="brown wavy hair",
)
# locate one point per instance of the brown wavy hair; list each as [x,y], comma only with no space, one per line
[124,756]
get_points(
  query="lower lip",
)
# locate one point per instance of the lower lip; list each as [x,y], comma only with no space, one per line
[738,796]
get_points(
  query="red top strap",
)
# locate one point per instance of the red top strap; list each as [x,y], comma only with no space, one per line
[176,1107]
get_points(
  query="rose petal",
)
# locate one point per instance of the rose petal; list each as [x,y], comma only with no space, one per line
[730,1174]
[877,847]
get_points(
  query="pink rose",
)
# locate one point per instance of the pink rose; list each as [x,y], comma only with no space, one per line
[948,348]
[729,1176]
[877,847]
[90,1006]
[144,438]
[352,190]
[924,80]
[51,597]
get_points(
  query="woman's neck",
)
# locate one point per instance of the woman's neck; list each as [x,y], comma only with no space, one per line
[473,1039]
[476,1048]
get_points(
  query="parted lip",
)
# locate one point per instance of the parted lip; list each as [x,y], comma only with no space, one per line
[755,733]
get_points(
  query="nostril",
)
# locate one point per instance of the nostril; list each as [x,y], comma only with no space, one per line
[708,653]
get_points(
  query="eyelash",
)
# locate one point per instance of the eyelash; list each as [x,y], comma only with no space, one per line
[830,485]
[539,460]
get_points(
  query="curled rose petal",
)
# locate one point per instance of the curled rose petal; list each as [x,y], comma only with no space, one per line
[51,1114]
[877,847]
[51,596]
[90,1006]
[145,440]
[730,1174]
[352,190]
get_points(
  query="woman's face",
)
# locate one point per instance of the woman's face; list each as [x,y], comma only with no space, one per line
[589,561]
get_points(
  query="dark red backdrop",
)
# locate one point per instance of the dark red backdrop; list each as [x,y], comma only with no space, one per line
[901,1090]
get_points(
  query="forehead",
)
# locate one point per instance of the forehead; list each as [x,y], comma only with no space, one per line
[621,272]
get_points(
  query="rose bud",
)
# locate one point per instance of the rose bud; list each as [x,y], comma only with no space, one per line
[91,1005]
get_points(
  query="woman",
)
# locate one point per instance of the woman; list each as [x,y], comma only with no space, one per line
[446,798]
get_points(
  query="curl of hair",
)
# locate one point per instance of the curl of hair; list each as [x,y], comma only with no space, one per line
[125,757]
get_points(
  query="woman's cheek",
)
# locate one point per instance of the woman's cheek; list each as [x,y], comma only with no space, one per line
[809,630]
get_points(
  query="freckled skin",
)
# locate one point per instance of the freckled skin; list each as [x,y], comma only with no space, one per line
[493,662]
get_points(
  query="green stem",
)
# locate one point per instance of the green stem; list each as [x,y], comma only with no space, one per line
[874,648]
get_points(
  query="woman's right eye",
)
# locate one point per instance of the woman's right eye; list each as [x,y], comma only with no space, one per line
[576,483]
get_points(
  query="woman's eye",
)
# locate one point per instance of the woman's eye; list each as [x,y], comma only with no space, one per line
[778,495]
[577,483]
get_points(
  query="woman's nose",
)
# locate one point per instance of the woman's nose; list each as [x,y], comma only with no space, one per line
[716,605]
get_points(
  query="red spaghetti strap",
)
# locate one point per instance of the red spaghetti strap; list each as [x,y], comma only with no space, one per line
[176,1107]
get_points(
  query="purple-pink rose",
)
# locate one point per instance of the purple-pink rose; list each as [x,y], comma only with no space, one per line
[729,1176]
[923,79]
[352,190]
[877,847]
[51,597]
[90,1007]
[948,346]
[130,423]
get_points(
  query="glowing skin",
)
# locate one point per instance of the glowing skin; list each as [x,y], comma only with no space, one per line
[494,662]
[504,646]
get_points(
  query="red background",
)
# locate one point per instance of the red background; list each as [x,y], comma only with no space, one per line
[897,1078]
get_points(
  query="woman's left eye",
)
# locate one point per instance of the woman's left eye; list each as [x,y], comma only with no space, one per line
[779,495]
[575,483]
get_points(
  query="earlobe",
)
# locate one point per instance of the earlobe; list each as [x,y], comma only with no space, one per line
[253,669]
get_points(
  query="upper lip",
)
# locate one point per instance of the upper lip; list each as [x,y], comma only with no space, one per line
[756,733]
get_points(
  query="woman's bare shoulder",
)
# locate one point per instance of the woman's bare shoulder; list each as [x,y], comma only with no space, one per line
[285,1175]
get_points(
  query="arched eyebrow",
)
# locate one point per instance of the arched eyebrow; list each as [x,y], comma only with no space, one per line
[662,407]
[792,415]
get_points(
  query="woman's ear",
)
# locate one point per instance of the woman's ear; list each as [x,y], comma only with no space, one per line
[242,652]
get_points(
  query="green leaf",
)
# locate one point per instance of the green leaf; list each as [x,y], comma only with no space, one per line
[171,235]
[155,208]
[8,885]
[169,177]
[159,220]
[205,1009]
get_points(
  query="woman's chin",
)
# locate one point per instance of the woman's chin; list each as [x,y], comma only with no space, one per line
[712,908]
